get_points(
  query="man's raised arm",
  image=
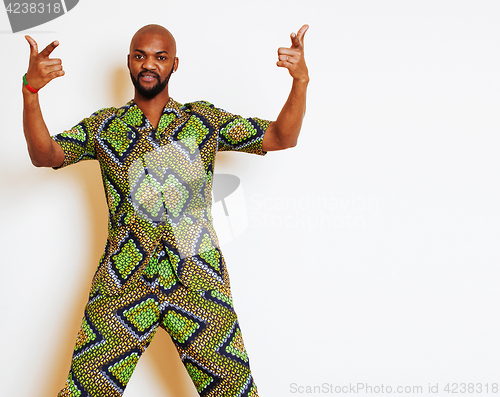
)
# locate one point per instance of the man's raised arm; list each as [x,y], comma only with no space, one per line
[43,151]
[284,132]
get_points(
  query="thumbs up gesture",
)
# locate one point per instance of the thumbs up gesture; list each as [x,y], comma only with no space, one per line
[42,69]
[293,58]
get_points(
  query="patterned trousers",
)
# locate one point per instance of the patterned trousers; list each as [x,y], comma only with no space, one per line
[116,330]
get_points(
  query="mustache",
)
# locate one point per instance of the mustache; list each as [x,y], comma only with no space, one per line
[149,72]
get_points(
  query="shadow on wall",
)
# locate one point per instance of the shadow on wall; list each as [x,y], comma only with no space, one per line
[161,357]
[121,90]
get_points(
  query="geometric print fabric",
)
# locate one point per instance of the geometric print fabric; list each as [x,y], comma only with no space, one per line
[116,330]
[161,266]
[158,185]
[168,185]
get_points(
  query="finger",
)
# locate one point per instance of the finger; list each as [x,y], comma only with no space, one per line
[300,34]
[33,46]
[282,57]
[53,68]
[283,64]
[56,73]
[288,58]
[288,51]
[47,50]
[50,62]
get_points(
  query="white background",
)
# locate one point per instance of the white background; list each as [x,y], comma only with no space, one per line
[372,249]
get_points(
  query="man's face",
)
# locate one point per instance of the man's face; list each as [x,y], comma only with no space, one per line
[151,62]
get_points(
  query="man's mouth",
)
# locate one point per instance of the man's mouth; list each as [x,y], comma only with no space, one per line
[148,77]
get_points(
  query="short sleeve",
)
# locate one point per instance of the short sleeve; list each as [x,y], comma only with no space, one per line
[241,134]
[78,142]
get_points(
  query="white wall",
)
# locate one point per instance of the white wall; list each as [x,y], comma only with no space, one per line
[372,250]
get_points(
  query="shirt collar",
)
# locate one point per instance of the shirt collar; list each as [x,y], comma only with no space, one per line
[133,116]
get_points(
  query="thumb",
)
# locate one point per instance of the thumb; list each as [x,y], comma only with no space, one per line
[33,46]
[298,39]
[300,34]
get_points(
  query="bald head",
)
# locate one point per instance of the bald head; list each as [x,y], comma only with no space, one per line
[156,31]
[151,61]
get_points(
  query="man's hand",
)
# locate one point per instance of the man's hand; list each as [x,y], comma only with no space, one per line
[43,151]
[284,132]
[42,69]
[293,58]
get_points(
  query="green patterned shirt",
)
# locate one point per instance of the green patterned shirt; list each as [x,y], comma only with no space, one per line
[158,185]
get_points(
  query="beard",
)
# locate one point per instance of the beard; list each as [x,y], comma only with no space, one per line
[150,93]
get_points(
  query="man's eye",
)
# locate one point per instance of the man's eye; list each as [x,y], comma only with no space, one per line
[137,56]
[162,58]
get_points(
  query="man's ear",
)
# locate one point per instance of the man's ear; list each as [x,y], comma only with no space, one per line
[176,64]
[128,61]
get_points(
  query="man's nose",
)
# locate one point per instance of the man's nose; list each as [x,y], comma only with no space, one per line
[149,63]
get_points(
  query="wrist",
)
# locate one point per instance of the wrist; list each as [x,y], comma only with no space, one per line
[28,93]
[30,99]
[304,81]
[28,87]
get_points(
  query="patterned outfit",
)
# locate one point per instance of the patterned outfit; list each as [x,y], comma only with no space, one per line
[162,265]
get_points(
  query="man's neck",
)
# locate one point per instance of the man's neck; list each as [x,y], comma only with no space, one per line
[152,108]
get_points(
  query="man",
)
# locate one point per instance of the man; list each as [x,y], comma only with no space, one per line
[162,265]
